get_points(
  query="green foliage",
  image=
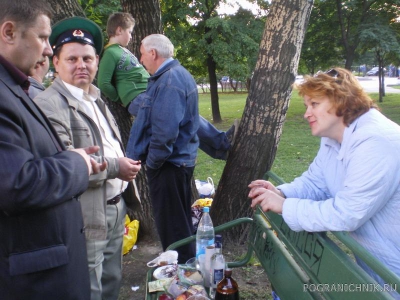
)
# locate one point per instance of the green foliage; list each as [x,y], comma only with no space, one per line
[320,48]
[335,29]
[380,38]
[196,30]
[99,10]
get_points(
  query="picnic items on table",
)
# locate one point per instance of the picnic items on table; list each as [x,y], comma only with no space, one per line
[197,210]
[179,282]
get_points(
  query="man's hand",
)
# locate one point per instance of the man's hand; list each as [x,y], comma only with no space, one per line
[128,168]
[93,166]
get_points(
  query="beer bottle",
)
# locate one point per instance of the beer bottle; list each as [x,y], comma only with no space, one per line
[227,288]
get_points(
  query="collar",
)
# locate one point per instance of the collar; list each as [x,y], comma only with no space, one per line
[78,93]
[20,78]
[165,62]
[348,131]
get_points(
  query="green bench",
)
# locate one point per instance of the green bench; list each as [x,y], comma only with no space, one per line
[304,265]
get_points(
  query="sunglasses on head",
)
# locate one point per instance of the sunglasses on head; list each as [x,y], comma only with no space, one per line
[333,73]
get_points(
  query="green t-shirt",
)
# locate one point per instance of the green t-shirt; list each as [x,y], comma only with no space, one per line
[121,77]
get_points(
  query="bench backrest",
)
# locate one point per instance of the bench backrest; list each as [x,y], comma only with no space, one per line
[304,265]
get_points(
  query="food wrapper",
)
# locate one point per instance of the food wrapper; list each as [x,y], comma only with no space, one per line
[197,210]
[176,288]
[196,290]
[202,202]
[159,285]
[189,276]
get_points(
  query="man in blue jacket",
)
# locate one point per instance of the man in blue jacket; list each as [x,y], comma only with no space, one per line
[164,136]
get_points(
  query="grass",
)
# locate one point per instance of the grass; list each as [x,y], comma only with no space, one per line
[231,108]
[297,147]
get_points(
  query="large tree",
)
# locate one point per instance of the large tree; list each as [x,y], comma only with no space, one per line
[265,110]
[65,9]
[147,16]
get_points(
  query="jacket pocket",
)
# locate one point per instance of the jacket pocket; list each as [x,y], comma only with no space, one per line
[38,260]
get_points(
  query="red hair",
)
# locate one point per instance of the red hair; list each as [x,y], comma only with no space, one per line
[343,90]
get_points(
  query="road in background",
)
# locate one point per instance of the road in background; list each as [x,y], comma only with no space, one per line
[371,84]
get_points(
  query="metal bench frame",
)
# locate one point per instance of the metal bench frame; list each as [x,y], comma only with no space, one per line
[304,265]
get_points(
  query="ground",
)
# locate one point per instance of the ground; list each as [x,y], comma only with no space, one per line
[252,280]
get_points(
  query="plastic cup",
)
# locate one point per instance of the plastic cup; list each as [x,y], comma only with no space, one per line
[192,263]
[202,268]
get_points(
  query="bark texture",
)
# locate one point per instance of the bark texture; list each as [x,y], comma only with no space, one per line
[261,125]
[64,9]
[147,15]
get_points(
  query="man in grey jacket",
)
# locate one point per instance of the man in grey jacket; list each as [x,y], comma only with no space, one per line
[80,117]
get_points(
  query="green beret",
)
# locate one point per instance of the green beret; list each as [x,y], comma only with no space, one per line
[78,30]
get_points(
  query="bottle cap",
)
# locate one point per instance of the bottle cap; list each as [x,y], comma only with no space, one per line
[228,272]
[206,209]
[218,241]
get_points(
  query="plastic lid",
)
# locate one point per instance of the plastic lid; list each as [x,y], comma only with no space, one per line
[218,238]
[206,209]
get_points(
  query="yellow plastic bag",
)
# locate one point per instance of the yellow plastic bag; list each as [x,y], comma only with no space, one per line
[130,234]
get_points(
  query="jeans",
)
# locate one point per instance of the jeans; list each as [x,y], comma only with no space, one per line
[212,141]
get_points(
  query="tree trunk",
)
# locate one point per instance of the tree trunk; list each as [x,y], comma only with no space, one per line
[65,9]
[381,75]
[211,65]
[261,125]
[147,14]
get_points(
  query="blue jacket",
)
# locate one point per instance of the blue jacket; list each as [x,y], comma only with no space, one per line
[353,186]
[167,121]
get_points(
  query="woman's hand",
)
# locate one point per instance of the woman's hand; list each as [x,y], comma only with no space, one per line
[266,195]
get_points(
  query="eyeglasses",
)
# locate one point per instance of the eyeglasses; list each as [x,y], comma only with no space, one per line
[333,73]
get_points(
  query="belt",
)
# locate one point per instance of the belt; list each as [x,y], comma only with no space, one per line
[114,200]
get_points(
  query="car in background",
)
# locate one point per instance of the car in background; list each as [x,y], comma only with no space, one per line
[225,79]
[375,71]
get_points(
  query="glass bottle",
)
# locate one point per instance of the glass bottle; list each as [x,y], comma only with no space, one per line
[217,266]
[227,288]
[205,233]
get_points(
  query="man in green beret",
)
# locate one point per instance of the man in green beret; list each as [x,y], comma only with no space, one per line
[75,108]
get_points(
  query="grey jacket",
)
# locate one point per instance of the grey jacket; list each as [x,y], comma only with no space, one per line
[77,130]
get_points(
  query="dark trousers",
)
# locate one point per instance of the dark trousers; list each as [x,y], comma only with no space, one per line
[170,193]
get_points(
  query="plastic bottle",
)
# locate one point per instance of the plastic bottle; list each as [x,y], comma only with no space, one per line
[217,266]
[227,288]
[205,232]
